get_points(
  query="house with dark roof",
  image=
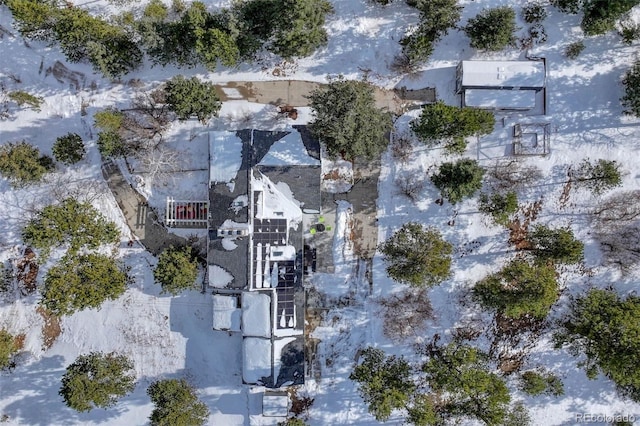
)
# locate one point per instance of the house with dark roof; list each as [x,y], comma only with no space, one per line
[261,186]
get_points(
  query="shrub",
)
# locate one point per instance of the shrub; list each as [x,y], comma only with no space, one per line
[606,330]
[23,98]
[8,347]
[77,224]
[573,50]
[176,403]
[519,289]
[97,380]
[69,149]
[629,31]
[558,245]
[499,206]
[189,97]
[534,12]
[176,270]
[417,256]
[109,120]
[492,29]
[347,121]
[458,180]
[535,383]
[81,282]
[22,163]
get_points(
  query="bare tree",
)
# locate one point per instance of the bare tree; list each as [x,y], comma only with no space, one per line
[160,163]
[511,175]
[401,147]
[405,313]
[617,227]
[411,186]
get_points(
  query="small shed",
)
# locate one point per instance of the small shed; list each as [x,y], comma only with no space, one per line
[504,75]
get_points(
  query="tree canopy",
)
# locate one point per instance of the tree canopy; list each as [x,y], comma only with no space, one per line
[605,328]
[519,289]
[417,256]
[176,403]
[8,347]
[384,382]
[80,282]
[69,149]
[499,206]
[22,163]
[492,29]
[631,98]
[97,380]
[71,222]
[598,177]
[347,121]
[439,122]
[459,180]
[176,270]
[192,97]
[558,245]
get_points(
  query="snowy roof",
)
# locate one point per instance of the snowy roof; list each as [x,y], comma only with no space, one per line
[272,203]
[289,151]
[503,74]
[225,156]
[278,253]
[219,277]
[256,359]
[226,315]
[500,99]
[275,405]
[256,314]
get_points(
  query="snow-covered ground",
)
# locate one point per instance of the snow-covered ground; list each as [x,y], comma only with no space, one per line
[172,336]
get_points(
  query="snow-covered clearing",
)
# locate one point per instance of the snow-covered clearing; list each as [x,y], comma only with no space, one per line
[173,336]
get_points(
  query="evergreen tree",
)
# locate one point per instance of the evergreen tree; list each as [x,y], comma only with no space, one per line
[535,383]
[417,256]
[97,380]
[436,18]
[176,403]
[111,144]
[460,375]
[458,180]
[81,282]
[69,149]
[78,225]
[8,347]
[384,382]
[499,206]
[22,163]
[606,330]
[558,245]
[347,120]
[519,289]
[598,177]
[439,122]
[33,19]
[177,270]
[109,120]
[189,97]
[299,31]
[492,29]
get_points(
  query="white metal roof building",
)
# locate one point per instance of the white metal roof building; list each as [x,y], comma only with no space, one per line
[519,75]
